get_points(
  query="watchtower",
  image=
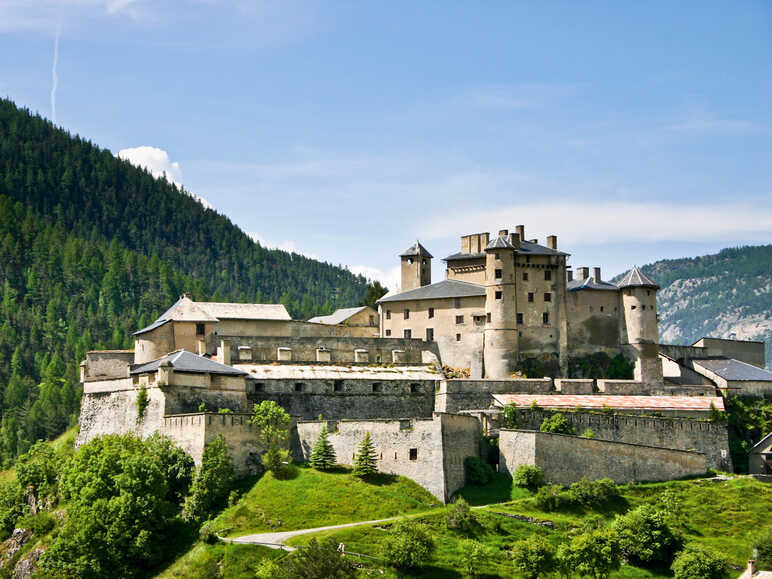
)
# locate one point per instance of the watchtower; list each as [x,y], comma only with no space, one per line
[501,337]
[640,328]
[416,267]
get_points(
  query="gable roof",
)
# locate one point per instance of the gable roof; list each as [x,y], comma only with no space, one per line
[448,288]
[338,316]
[589,283]
[184,361]
[735,370]
[416,249]
[636,278]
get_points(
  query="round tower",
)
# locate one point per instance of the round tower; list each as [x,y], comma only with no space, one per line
[640,328]
[501,340]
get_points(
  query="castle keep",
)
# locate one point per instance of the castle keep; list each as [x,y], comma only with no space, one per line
[196,372]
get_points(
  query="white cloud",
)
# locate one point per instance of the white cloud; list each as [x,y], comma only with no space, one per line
[391,278]
[45,14]
[159,164]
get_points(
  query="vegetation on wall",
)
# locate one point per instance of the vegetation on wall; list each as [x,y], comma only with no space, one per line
[748,421]
[598,365]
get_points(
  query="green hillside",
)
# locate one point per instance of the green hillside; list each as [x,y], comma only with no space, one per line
[94,248]
[724,295]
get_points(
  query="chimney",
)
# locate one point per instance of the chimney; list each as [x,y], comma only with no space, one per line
[751,568]
[552,241]
[534,241]
[596,274]
[521,231]
[514,239]
[484,239]
[503,232]
[583,273]
[569,275]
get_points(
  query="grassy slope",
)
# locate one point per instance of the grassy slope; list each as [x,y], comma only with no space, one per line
[720,515]
[316,499]
[221,560]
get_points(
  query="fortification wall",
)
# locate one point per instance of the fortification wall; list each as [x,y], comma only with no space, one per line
[106,364]
[743,350]
[458,395]
[710,438]
[567,459]
[430,451]
[593,322]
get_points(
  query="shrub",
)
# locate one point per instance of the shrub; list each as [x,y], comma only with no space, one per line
[528,476]
[550,498]
[11,506]
[696,562]
[477,472]
[323,454]
[142,402]
[593,494]
[213,481]
[38,471]
[365,462]
[207,533]
[319,559]
[408,545]
[762,545]
[459,516]
[596,554]
[557,424]
[472,553]
[588,433]
[40,524]
[645,537]
[509,416]
[533,557]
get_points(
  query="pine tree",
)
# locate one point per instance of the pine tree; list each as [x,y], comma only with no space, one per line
[323,454]
[365,462]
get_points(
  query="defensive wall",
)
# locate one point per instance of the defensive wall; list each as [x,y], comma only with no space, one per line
[430,451]
[566,459]
[709,438]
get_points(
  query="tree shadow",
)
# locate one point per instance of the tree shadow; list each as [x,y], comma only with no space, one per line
[380,479]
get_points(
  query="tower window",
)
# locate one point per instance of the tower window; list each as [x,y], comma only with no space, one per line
[545,318]
[431,312]
[547,297]
[530,296]
[413,454]
[423,262]
[498,295]
[299,386]
[488,317]
[259,387]
[459,319]
[601,308]
[547,274]
[525,276]
[519,318]
[200,329]
[632,307]
[497,274]
[388,333]
[407,334]
[407,314]
[410,261]
[458,337]
[414,388]
[643,307]
[527,259]
[648,292]
[388,314]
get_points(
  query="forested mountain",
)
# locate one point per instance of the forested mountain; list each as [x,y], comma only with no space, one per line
[93,248]
[724,295]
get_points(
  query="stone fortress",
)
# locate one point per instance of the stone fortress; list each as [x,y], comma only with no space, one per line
[201,366]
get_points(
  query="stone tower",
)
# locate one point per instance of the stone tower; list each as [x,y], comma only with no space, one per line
[501,338]
[640,329]
[416,267]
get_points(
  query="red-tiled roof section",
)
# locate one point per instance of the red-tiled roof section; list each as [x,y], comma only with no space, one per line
[695,403]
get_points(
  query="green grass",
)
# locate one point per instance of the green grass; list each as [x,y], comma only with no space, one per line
[220,560]
[499,490]
[318,499]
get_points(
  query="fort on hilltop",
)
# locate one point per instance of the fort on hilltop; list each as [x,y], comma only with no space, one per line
[432,370]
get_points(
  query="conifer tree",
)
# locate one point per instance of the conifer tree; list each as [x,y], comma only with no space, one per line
[365,462]
[323,454]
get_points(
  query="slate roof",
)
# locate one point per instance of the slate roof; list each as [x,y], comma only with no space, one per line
[589,283]
[459,256]
[499,242]
[734,370]
[590,401]
[526,248]
[338,316]
[416,249]
[636,278]
[184,361]
[186,310]
[761,444]
[448,288]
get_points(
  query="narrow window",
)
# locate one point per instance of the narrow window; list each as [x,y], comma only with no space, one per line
[519,318]
[458,303]
[407,314]
[429,334]
[199,329]
[497,274]
[395,456]
[527,259]
[338,386]
[298,386]
[459,319]
[648,292]
[414,388]
[413,454]
[601,308]
[458,337]
[547,274]
[525,276]
[388,333]
[259,387]
[410,261]
[632,307]
[388,314]
[498,295]
[530,296]
[545,318]
[431,312]
[376,386]
[547,297]
[407,334]
[488,317]
[643,307]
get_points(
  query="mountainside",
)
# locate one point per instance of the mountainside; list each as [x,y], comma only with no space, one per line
[725,295]
[93,248]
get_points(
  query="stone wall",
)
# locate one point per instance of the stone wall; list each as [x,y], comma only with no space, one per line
[593,322]
[567,459]
[430,451]
[106,364]
[710,438]
[457,395]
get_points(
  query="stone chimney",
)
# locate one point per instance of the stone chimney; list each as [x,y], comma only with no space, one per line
[534,240]
[503,232]
[569,275]
[521,231]
[552,241]
[583,273]
[596,274]
[514,239]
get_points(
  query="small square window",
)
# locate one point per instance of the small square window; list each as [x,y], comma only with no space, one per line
[545,318]
[406,313]
[407,334]
[632,307]
[643,307]
[376,386]
[388,314]
[299,386]
[200,329]
[259,387]
[414,388]
[530,296]
[459,319]
[601,308]
[388,333]
[429,334]
[497,274]
[525,276]
[413,454]
[458,337]
[338,386]
[431,312]
[527,259]
[547,274]
[547,297]
[519,318]
[498,295]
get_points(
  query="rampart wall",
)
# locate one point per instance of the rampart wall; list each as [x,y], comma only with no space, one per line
[566,459]
[457,395]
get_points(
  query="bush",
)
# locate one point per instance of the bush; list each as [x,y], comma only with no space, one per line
[596,554]
[279,462]
[509,416]
[557,424]
[11,506]
[763,547]
[593,494]
[459,516]
[473,553]
[533,557]
[207,534]
[588,433]
[645,538]
[528,476]
[696,562]
[550,498]
[477,472]
[408,545]
[39,524]
[319,559]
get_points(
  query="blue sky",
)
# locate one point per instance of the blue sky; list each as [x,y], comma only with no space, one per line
[633,130]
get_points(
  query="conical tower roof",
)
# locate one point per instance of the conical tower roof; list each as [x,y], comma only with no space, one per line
[416,250]
[636,278]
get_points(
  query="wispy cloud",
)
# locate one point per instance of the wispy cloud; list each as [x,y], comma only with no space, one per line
[43,15]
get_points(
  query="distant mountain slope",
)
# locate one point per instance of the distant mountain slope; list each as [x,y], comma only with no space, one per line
[726,295]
